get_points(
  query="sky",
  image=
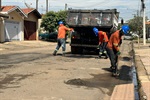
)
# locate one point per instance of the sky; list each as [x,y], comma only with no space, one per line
[127,8]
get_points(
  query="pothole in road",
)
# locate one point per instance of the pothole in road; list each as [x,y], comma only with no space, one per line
[125,58]
[76,82]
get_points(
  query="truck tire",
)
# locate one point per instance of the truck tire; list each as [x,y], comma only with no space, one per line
[76,50]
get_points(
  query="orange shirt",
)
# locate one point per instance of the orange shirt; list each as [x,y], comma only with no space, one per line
[114,41]
[62,31]
[102,37]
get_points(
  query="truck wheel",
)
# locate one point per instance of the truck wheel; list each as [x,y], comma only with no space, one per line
[76,50]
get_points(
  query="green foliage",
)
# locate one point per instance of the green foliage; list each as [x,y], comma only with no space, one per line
[62,15]
[48,23]
[136,25]
[50,20]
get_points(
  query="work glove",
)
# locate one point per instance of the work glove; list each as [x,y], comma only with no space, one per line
[118,53]
[71,29]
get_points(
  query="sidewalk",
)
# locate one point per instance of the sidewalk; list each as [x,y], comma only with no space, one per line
[142,63]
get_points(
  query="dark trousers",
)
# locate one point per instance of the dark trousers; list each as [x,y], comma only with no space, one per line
[102,49]
[112,54]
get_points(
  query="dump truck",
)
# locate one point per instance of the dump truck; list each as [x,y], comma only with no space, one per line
[83,21]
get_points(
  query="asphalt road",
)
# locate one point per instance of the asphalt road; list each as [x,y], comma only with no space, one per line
[29,71]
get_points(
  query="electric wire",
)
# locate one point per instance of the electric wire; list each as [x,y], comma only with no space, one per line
[75,4]
[104,2]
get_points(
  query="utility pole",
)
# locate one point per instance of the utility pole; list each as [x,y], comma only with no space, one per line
[65,6]
[0,5]
[42,6]
[46,6]
[144,28]
[37,5]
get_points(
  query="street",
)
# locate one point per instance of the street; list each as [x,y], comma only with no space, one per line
[31,72]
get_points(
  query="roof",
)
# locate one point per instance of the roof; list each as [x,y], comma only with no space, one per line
[148,22]
[4,15]
[8,9]
[27,11]
[23,12]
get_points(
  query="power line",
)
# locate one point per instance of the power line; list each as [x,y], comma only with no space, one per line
[104,2]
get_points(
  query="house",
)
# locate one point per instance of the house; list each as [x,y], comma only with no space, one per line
[14,26]
[21,25]
[148,30]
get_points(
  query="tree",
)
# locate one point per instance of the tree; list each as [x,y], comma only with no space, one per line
[48,23]
[136,25]
[50,20]
[61,15]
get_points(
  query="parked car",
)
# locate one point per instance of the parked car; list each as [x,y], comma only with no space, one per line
[128,37]
[49,36]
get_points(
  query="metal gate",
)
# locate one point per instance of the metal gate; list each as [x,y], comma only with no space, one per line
[12,31]
[29,30]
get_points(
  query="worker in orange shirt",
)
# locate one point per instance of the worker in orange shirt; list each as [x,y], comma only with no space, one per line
[103,40]
[113,49]
[61,41]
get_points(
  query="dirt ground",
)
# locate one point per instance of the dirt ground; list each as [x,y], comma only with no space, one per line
[29,71]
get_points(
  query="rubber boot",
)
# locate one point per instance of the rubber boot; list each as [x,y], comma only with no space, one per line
[115,72]
[106,56]
[54,53]
[100,55]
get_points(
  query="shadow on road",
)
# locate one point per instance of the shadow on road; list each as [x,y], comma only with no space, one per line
[104,80]
[12,81]
[99,81]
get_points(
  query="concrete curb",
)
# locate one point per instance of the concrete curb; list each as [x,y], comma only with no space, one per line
[142,76]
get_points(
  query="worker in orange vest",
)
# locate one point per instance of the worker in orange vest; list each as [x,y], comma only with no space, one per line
[61,41]
[113,49]
[103,40]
